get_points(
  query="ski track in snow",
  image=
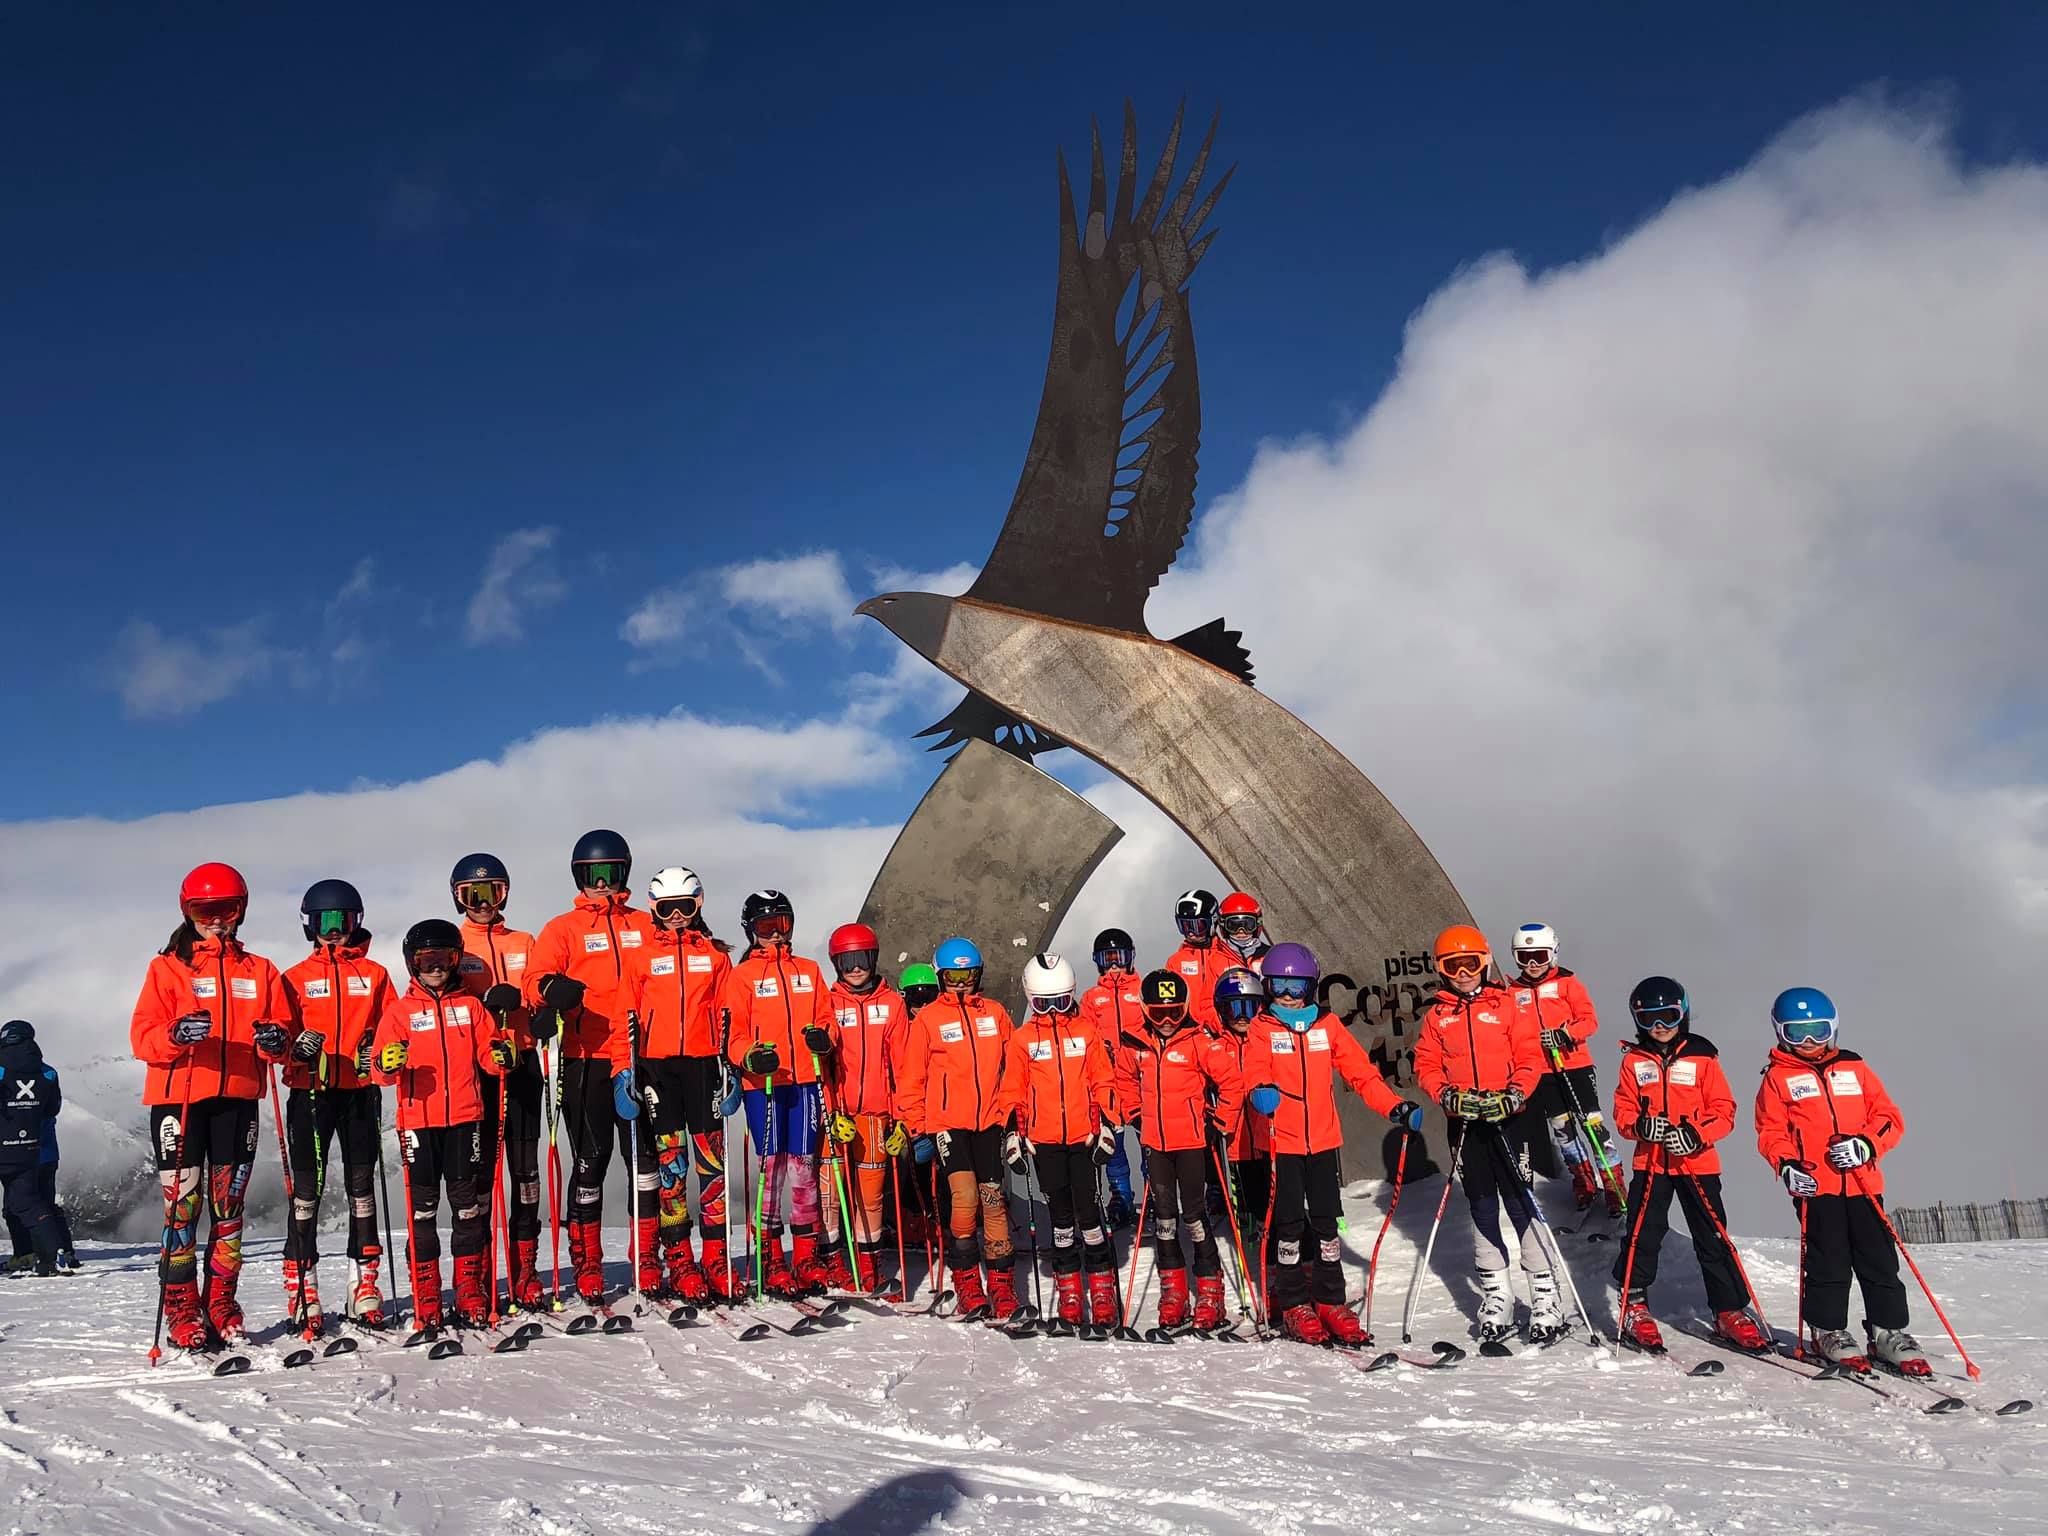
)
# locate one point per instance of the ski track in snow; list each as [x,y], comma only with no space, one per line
[900,1424]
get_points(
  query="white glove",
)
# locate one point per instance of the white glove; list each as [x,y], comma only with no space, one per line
[1016,1148]
[1799,1184]
[1102,1146]
[1846,1152]
[944,1142]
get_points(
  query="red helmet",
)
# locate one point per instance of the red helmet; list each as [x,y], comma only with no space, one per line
[1239,904]
[852,938]
[213,882]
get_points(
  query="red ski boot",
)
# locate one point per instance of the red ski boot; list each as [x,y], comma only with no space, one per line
[776,1279]
[365,1296]
[426,1293]
[684,1278]
[838,1272]
[471,1304]
[1301,1323]
[1068,1288]
[969,1299]
[1208,1302]
[302,1299]
[1002,1294]
[184,1323]
[586,1254]
[806,1266]
[867,1272]
[1341,1326]
[1740,1329]
[1638,1329]
[525,1285]
[718,1284]
[647,1276]
[1585,1186]
[224,1313]
[1102,1299]
[1173,1298]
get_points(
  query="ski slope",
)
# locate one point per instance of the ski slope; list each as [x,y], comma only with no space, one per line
[895,1424]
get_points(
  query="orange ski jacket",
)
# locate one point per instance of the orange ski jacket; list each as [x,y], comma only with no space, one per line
[240,990]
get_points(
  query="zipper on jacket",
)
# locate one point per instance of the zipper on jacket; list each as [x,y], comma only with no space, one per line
[226,1012]
[973,1060]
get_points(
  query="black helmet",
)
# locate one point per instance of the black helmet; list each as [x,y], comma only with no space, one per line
[17,1032]
[479,869]
[1194,913]
[331,896]
[434,933]
[1164,989]
[1116,940]
[1659,1000]
[601,847]
[764,904]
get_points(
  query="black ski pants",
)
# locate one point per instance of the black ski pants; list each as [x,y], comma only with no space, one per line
[451,1157]
[347,1119]
[517,1098]
[1180,1200]
[1308,1253]
[593,1129]
[1649,1197]
[1845,1234]
[28,1209]
[1066,1177]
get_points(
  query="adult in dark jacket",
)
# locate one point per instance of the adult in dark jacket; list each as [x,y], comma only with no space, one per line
[29,1100]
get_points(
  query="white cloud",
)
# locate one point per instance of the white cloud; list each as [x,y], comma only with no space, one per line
[511,587]
[802,590]
[660,622]
[162,676]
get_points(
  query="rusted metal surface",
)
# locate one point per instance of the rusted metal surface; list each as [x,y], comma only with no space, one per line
[1281,812]
[996,851]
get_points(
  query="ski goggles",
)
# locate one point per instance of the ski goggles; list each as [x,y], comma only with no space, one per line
[424,960]
[776,925]
[1462,965]
[1533,959]
[1195,927]
[1058,1002]
[609,873]
[670,908]
[214,909]
[848,961]
[1662,1018]
[1242,1010]
[1113,959]
[1290,989]
[1239,925]
[472,894]
[915,998]
[960,977]
[1807,1031]
[1163,1015]
[334,924]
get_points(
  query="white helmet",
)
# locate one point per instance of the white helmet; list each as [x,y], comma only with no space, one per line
[1049,983]
[674,882]
[1536,936]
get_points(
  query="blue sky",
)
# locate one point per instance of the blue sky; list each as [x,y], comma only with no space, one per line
[695,287]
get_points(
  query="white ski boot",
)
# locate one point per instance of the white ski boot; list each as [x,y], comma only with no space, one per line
[1547,1322]
[1899,1350]
[1496,1306]
[1838,1346]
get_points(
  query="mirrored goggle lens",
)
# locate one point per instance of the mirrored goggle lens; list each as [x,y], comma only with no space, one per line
[1294,989]
[334,925]
[673,907]
[1113,959]
[1194,927]
[1808,1031]
[1533,959]
[1461,965]
[963,976]
[436,960]
[1660,1018]
[1059,1002]
[605,873]
[776,925]
[214,910]
[1241,1010]
[918,996]
[1164,1013]
[480,893]
[852,960]
[1239,925]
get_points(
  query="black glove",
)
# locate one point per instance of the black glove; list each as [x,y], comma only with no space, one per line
[560,992]
[193,1028]
[503,1054]
[819,1039]
[363,1058]
[544,1024]
[1682,1140]
[273,1040]
[307,1046]
[502,998]
[761,1060]
[1652,1128]
[1560,1041]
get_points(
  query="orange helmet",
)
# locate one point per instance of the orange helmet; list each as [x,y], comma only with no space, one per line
[1461,939]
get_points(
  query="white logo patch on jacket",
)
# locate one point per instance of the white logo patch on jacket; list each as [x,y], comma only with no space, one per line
[952,1034]
[1846,1082]
[1646,1071]
[596,943]
[984,1025]
[1685,1072]
[359,986]
[242,986]
[1802,1085]
[698,963]
[767,986]
[800,982]
[1547,989]
[1280,1042]
[878,1013]
[1041,1050]
[205,986]
[424,1019]
[318,989]
[1074,1045]
[630,939]
[662,965]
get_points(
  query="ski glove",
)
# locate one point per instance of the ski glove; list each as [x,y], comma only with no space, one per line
[192,1029]
[503,1054]
[502,998]
[273,1040]
[363,1058]
[1652,1128]
[307,1046]
[841,1128]
[625,1102]
[897,1142]
[1682,1140]
[1264,1099]
[392,1057]
[1846,1152]
[761,1059]
[1016,1148]
[819,1039]
[1799,1184]
[729,1099]
[923,1149]
[1407,1116]
[1559,1041]
[560,992]
[544,1025]
[943,1141]
[1102,1145]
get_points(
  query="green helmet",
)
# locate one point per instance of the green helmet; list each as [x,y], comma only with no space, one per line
[919,984]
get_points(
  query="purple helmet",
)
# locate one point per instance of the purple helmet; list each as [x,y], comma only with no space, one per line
[1291,960]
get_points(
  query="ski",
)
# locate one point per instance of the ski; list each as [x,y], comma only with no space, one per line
[438,1343]
[305,1354]
[1946,1401]
[1020,1324]
[831,1312]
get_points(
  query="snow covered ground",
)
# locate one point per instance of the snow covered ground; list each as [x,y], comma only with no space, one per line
[896,1424]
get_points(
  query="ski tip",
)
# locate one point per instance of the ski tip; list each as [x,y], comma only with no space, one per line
[512,1344]
[297,1358]
[528,1331]
[1127,1334]
[2017,1406]
[341,1346]
[234,1365]
[1706,1368]
[443,1348]
[587,1323]
[618,1323]
[1493,1349]
[753,1332]
[1447,1352]
[1947,1405]
[1381,1362]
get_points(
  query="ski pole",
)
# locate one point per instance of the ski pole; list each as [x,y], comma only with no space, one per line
[291,1222]
[1727,1242]
[1137,1248]
[633,1141]
[1031,1214]
[840,1182]
[163,1279]
[1600,1158]
[761,1189]
[1535,1209]
[1428,1248]
[1877,1205]
[384,1184]
[1372,1267]
[1799,1343]
[1244,1278]
[902,1258]
[405,1153]
[1628,1263]
[550,1092]
[935,1264]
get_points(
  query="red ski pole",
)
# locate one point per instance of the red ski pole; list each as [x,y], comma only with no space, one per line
[902,1259]
[156,1344]
[1372,1268]
[1721,1231]
[935,1263]
[1878,1205]
[1137,1248]
[284,1159]
[1799,1344]
[1628,1267]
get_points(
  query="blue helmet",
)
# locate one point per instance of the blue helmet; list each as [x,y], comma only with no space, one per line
[956,954]
[1804,1016]
[1240,995]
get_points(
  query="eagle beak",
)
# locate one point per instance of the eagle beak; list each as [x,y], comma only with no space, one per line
[918,619]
